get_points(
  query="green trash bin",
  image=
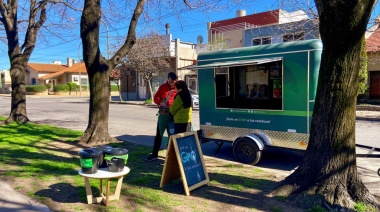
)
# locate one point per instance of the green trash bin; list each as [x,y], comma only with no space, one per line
[116,159]
[89,160]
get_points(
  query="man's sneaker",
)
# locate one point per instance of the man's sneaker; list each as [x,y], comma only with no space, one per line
[151,157]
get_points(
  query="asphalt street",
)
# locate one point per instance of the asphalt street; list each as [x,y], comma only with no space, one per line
[137,124]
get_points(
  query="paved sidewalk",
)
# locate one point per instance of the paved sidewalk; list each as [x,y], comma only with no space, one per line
[12,201]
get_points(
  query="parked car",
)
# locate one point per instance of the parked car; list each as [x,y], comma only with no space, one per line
[194,95]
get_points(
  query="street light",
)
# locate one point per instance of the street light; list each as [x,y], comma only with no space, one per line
[80,80]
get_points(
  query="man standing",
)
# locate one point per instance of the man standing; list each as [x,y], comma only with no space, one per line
[164,98]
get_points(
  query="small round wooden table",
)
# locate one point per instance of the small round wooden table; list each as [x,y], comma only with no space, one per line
[104,174]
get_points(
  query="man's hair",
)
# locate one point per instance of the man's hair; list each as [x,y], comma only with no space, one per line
[172,76]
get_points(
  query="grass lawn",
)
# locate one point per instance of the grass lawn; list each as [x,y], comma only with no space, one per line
[42,161]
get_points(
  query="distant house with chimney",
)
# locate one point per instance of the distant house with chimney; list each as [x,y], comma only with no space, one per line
[56,73]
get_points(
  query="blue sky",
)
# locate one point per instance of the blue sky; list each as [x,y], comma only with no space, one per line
[188,28]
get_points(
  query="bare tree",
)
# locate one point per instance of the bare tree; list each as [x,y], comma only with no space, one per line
[328,174]
[149,56]
[219,44]
[19,55]
[21,38]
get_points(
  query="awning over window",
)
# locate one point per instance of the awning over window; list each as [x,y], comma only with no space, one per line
[234,63]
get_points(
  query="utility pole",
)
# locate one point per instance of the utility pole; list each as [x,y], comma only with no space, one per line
[108,53]
[108,41]
[80,80]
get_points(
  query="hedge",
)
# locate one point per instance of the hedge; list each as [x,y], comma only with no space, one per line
[72,86]
[35,88]
[61,88]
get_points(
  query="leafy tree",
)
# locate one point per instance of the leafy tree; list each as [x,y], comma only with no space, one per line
[149,56]
[328,174]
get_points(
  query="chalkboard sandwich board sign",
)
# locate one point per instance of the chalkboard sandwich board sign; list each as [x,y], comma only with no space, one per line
[184,159]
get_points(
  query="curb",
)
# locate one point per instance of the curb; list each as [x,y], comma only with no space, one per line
[368,108]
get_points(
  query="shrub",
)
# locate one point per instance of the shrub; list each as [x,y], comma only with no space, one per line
[35,88]
[61,88]
[148,101]
[84,87]
[72,86]
[48,86]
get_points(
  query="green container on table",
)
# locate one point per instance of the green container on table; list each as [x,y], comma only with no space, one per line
[116,159]
[89,160]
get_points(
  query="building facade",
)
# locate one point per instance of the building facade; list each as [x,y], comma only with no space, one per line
[294,31]
[373,53]
[236,29]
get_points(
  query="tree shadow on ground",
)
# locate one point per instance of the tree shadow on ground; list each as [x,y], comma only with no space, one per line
[273,158]
[61,192]
[146,140]
[239,191]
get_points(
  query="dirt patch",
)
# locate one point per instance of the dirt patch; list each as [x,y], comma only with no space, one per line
[233,187]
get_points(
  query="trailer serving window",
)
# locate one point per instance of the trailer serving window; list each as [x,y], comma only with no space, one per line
[255,85]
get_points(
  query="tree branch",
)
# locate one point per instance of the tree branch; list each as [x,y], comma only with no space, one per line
[65,4]
[187,4]
[33,27]
[131,37]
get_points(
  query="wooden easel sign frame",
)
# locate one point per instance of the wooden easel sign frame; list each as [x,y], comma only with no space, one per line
[184,159]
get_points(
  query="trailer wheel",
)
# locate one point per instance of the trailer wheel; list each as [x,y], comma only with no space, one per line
[378,172]
[246,151]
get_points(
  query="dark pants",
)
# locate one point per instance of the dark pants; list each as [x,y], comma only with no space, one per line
[182,127]
[157,141]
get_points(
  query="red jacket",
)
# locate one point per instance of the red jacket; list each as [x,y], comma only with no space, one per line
[163,92]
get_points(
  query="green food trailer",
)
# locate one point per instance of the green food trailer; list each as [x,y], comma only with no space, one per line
[259,96]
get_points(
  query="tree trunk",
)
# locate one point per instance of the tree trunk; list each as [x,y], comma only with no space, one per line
[118,89]
[98,72]
[18,102]
[150,89]
[99,69]
[97,128]
[328,173]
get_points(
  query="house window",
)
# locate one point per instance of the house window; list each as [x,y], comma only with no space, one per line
[83,81]
[293,37]
[75,79]
[250,87]
[261,41]
[34,81]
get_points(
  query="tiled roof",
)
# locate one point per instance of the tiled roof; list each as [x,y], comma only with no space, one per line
[258,19]
[75,68]
[373,41]
[38,67]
